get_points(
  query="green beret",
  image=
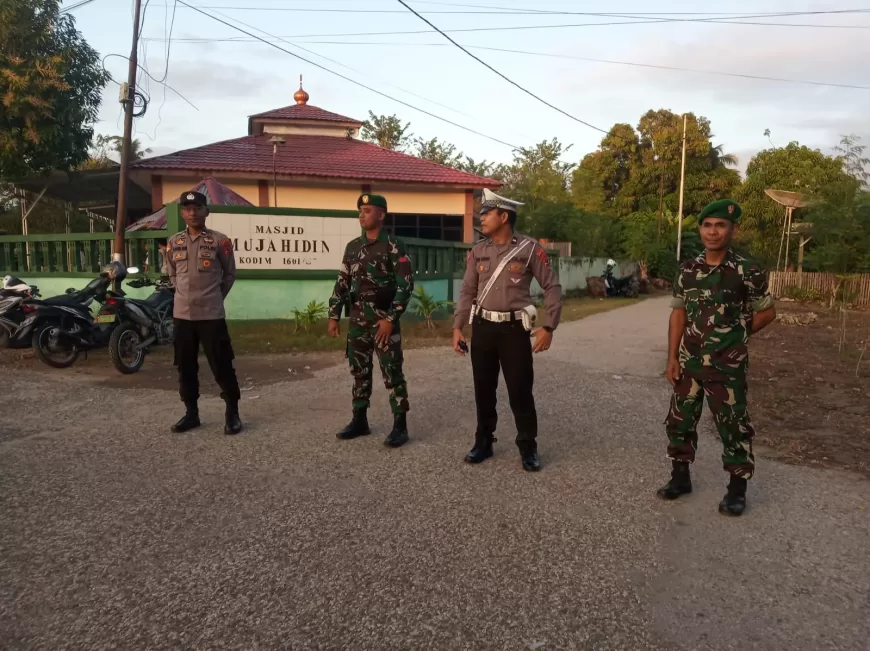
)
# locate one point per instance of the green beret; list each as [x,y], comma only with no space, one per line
[371,200]
[723,209]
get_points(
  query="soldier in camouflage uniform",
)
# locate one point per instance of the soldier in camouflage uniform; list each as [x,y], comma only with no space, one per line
[720,299]
[374,285]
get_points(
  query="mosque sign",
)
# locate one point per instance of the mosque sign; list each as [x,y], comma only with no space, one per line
[285,241]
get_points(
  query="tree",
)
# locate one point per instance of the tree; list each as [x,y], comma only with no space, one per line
[386,131]
[841,230]
[794,168]
[136,151]
[640,170]
[854,162]
[442,153]
[51,81]
[538,176]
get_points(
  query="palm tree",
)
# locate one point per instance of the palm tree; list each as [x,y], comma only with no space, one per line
[136,151]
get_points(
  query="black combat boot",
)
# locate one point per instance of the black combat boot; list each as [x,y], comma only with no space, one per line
[189,421]
[529,456]
[482,449]
[680,484]
[359,426]
[734,502]
[399,435]
[233,422]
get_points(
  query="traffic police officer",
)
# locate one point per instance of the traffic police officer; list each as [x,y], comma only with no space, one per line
[495,298]
[720,299]
[374,284]
[202,268]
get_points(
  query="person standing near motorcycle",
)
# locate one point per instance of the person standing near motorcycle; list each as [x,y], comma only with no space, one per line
[719,300]
[375,283]
[495,295]
[202,268]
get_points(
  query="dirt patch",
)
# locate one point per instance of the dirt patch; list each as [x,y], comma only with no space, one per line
[810,397]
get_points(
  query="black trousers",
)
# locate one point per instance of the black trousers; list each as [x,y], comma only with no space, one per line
[506,347]
[218,349]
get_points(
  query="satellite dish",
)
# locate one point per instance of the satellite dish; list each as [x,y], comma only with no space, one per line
[788,199]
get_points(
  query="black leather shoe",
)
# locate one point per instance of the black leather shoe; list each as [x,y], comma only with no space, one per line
[359,426]
[531,463]
[399,435]
[680,483]
[482,449]
[189,421]
[233,423]
[734,502]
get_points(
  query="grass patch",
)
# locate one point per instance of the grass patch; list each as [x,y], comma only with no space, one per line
[276,337]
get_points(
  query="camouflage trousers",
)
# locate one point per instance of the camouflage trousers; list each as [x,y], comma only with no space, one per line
[361,347]
[726,398]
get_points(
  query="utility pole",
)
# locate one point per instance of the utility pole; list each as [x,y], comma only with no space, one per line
[128,94]
[682,185]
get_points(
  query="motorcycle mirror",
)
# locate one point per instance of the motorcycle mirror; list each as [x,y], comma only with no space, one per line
[132,270]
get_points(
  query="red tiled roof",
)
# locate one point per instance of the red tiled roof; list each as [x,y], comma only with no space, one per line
[319,156]
[303,112]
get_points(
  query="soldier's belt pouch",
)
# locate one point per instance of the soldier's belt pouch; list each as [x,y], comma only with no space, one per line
[384,297]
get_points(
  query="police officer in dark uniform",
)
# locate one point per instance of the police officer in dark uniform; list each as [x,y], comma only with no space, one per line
[495,298]
[202,268]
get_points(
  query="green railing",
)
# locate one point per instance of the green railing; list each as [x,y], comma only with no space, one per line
[67,254]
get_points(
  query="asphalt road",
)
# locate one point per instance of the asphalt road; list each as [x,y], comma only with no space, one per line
[116,534]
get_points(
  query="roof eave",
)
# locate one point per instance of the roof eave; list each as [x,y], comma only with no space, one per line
[478,183]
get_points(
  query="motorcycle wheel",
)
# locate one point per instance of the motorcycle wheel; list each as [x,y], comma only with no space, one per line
[44,352]
[121,345]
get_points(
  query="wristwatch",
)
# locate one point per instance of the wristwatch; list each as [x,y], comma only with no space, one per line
[548,329]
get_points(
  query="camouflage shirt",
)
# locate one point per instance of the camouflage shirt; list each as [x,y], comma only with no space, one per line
[376,279]
[719,303]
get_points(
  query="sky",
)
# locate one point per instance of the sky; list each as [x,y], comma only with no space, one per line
[224,75]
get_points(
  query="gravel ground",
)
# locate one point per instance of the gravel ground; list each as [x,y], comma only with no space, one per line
[117,534]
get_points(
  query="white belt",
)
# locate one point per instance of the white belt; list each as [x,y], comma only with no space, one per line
[498,317]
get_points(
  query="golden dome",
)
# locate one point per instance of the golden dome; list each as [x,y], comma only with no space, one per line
[300,95]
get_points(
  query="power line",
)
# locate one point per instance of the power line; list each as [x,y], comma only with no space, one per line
[674,68]
[608,61]
[505,11]
[353,81]
[507,79]
[76,6]
[562,26]
[449,108]
[126,58]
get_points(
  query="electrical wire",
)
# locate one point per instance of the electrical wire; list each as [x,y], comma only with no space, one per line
[607,61]
[641,19]
[346,78]
[513,28]
[122,56]
[507,79]
[339,63]
[506,11]
[75,6]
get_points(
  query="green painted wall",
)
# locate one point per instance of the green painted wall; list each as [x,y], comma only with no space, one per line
[249,299]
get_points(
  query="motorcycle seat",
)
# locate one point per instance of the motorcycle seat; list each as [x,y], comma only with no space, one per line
[67,299]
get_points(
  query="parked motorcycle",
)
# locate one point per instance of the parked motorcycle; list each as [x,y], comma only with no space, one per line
[628,286]
[13,293]
[64,326]
[138,324]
